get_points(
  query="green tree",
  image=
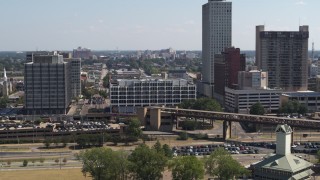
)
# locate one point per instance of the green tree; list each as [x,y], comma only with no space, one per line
[206,104]
[146,163]
[64,141]
[106,80]
[157,146]
[187,168]
[47,142]
[4,101]
[257,109]
[134,128]
[318,156]
[221,164]
[189,125]
[103,163]
[167,151]
[183,136]
[293,107]
[25,163]
[82,140]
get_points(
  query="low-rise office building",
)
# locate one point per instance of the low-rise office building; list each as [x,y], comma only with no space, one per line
[240,101]
[310,99]
[127,94]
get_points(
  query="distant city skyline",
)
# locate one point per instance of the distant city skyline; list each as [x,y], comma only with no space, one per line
[139,25]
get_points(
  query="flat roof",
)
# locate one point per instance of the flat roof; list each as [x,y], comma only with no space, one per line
[302,94]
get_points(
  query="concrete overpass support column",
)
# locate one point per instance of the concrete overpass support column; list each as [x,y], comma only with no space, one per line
[155,119]
[141,113]
[226,130]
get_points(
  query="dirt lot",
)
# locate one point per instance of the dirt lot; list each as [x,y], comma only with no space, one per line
[47,174]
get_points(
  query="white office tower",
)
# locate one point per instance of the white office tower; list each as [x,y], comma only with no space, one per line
[216,35]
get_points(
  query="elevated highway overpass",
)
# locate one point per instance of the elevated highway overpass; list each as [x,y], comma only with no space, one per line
[153,117]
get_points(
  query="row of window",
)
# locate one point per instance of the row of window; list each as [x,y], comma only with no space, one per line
[146,101]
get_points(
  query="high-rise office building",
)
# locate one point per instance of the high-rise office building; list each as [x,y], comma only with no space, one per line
[48,84]
[284,55]
[216,35]
[226,68]
[74,65]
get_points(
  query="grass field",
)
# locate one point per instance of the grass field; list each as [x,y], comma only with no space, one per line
[47,174]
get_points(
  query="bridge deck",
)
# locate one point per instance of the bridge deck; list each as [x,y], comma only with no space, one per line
[304,123]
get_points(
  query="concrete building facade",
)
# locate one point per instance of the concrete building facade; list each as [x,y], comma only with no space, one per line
[284,55]
[216,36]
[309,99]
[240,101]
[253,79]
[74,65]
[50,83]
[127,95]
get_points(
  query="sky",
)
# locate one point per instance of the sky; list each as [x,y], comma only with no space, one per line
[141,24]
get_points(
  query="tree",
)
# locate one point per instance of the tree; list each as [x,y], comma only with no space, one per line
[157,146]
[47,142]
[4,101]
[318,156]
[41,160]
[167,151]
[220,163]
[189,125]
[134,128]
[64,160]
[8,162]
[183,136]
[25,163]
[206,104]
[187,168]
[64,141]
[103,163]
[146,163]
[57,161]
[257,109]
[82,140]
[293,106]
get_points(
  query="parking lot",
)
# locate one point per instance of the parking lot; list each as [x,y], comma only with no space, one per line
[244,148]
[201,150]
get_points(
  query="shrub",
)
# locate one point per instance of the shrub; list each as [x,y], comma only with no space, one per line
[56,161]
[64,160]
[183,136]
[25,163]
[41,160]
[201,136]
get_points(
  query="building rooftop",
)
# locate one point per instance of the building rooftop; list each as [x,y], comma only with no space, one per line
[302,94]
[289,163]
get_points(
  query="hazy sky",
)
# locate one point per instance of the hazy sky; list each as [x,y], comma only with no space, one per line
[141,24]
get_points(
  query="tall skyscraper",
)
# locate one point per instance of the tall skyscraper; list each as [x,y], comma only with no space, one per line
[216,35]
[48,84]
[284,55]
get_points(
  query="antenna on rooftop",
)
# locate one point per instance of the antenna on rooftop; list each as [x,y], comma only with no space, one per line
[312,52]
